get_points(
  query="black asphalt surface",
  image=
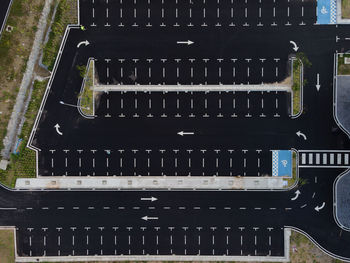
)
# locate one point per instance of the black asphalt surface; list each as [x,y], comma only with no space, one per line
[137,46]
[4,7]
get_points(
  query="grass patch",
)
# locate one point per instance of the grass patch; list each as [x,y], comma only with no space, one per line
[23,163]
[87,95]
[7,246]
[66,14]
[345,9]
[343,69]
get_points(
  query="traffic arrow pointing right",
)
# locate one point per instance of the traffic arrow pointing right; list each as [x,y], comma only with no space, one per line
[297,193]
[152,199]
[188,42]
[86,43]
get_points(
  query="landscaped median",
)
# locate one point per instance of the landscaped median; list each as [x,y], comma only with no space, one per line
[299,62]
[345,9]
[86,104]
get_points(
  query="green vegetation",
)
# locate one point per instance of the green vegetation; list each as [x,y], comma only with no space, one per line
[23,164]
[87,95]
[299,64]
[66,14]
[345,9]
[7,246]
[296,87]
[343,69]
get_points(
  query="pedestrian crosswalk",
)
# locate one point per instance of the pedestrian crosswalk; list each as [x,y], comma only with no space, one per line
[324,158]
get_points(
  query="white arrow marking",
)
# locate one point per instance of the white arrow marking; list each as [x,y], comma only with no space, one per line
[146,218]
[188,42]
[182,133]
[152,199]
[318,208]
[297,193]
[86,43]
[57,126]
[295,45]
[318,86]
[299,133]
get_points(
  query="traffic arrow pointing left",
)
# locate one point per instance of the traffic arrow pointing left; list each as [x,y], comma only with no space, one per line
[146,218]
[299,133]
[318,208]
[57,126]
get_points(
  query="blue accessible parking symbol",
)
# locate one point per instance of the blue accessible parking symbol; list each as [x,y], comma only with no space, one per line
[282,163]
[326,12]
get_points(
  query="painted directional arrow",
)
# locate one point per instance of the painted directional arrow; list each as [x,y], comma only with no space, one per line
[295,46]
[318,208]
[182,133]
[299,133]
[318,86]
[188,42]
[152,199]
[86,43]
[297,193]
[146,218]
[57,126]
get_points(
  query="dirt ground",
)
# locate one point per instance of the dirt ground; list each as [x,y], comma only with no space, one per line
[13,62]
[7,248]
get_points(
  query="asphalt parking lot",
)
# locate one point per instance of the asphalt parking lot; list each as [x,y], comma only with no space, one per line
[223,133]
[148,240]
[175,105]
[202,13]
[191,71]
[156,162]
[4,11]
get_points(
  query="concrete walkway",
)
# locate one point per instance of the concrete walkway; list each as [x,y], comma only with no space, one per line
[152,182]
[189,88]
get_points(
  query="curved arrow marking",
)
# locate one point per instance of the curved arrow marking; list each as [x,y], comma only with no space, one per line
[297,193]
[299,133]
[86,43]
[295,46]
[318,208]
[57,126]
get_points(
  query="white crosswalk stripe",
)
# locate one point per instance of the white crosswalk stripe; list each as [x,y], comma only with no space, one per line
[330,158]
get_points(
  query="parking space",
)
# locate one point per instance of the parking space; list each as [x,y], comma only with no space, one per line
[156,162]
[197,13]
[191,105]
[191,71]
[147,240]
